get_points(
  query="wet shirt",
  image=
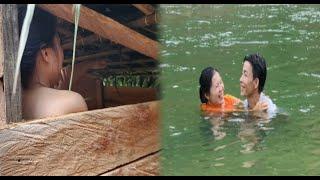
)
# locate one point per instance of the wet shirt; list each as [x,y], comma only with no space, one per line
[272,108]
[229,105]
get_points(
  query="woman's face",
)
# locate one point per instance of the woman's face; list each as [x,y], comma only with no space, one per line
[216,90]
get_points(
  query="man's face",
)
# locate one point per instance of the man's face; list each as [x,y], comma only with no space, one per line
[247,84]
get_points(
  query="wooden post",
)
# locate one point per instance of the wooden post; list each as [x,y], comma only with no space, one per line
[106,27]
[99,93]
[147,9]
[2,106]
[9,39]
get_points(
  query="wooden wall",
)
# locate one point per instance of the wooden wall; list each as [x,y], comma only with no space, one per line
[88,143]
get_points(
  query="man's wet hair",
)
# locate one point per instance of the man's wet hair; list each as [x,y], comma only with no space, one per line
[205,82]
[41,34]
[259,68]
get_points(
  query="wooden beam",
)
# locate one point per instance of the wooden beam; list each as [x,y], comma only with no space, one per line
[2,106]
[128,95]
[95,56]
[64,32]
[86,143]
[137,70]
[106,27]
[144,21]
[138,61]
[9,44]
[147,166]
[147,9]
[81,41]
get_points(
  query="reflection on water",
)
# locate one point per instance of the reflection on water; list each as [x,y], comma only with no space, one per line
[197,36]
[252,127]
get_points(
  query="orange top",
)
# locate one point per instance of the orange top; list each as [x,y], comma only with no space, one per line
[228,106]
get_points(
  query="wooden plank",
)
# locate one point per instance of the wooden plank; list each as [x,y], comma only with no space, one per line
[128,95]
[81,41]
[129,62]
[147,9]
[106,27]
[9,46]
[86,143]
[2,106]
[65,32]
[147,166]
[1,46]
[144,21]
[95,56]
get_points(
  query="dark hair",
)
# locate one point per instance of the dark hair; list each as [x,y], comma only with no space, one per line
[205,82]
[41,34]
[259,68]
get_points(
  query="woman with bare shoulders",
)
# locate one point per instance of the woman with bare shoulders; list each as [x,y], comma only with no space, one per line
[41,68]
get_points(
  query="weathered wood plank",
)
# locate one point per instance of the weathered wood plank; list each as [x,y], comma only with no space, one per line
[9,46]
[147,166]
[106,27]
[147,9]
[86,143]
[144,21]
[2,106]
[1,45]
[95,56]
[81,41]
[128,95]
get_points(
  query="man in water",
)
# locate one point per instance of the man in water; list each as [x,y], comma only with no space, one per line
[252,81]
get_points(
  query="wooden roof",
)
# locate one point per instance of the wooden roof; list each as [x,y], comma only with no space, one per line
[125,35]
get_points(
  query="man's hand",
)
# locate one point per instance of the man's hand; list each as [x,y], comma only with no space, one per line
[261,106]
[63,83]
[79,71]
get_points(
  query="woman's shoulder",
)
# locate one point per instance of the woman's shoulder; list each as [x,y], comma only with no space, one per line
[70,101]
[46,102]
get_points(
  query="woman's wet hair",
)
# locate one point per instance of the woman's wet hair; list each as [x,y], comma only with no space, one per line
[205,82]
[41,34]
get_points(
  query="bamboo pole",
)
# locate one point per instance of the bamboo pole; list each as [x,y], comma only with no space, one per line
[107,28]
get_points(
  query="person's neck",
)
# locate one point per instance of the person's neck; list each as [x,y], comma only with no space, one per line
[253,99]
[38,81]
[215,104]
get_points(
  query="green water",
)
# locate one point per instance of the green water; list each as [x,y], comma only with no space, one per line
[196,36]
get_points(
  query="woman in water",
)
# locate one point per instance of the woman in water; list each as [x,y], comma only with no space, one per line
[215,103]
[212,95]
